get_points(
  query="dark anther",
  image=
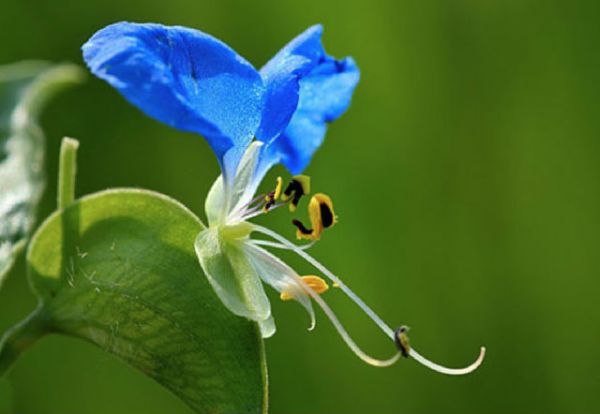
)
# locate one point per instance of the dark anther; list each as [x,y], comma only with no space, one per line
[294,187]
[301,227]
[296,199]
[270,201]
[326,215]
[401,340]
[298,187]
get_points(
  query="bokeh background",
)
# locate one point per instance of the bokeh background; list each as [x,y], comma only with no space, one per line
[466,176]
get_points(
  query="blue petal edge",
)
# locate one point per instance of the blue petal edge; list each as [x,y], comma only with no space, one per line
[182,77]
[324,94]
[282,75]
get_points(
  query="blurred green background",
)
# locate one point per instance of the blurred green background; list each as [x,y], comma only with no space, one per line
[466,176]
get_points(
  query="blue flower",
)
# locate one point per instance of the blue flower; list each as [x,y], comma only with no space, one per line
[196,83]
[252,120]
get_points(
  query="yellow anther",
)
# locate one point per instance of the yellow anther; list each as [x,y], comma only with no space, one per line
[322,216]
[273,196]
[278,188]
[320,210]
[315,283]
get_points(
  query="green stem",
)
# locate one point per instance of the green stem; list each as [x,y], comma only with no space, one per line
[20,337]
[67,172]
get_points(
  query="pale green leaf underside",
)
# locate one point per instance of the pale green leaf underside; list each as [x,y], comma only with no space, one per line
[118,269]
[24,89]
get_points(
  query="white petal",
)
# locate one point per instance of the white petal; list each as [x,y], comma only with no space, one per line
[221,201]
[215,203]
[244,186]
[278,275]
[231,275]
[267,327]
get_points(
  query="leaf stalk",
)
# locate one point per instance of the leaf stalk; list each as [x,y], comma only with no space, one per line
[67,172]
[20,337]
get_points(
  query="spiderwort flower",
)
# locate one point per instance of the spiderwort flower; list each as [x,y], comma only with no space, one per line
[252,120]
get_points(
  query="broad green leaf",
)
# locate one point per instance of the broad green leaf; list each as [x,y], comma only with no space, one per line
[24,90]
[118,269]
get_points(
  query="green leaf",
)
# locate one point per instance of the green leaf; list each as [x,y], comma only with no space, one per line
[118,269]
[24,90]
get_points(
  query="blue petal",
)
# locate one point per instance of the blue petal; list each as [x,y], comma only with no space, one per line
[182,77]
[282,75]
[306,89]
[325,94]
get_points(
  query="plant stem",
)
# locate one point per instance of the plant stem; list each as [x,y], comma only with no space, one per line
[20,337]
[67,172]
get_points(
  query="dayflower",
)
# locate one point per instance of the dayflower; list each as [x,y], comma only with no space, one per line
[252,120]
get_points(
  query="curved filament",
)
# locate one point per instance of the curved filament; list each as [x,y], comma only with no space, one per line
[382,325]
[346,336]
[330,314]
[448,371]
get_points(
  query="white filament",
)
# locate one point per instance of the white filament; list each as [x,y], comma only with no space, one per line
[282,246]
[257,211]
[448,371]
[330,314]
[382,325]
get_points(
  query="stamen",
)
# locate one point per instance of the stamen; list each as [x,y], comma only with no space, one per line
[330,314]
[349,341]
[322,269]
[248,208]
[303,233]
[252,202]
[322,216]
[278,188]
[265,204]
[298,186]
[315,283]
[370,313]
[401,339]
[321,207]
[257,211]
[273,196]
